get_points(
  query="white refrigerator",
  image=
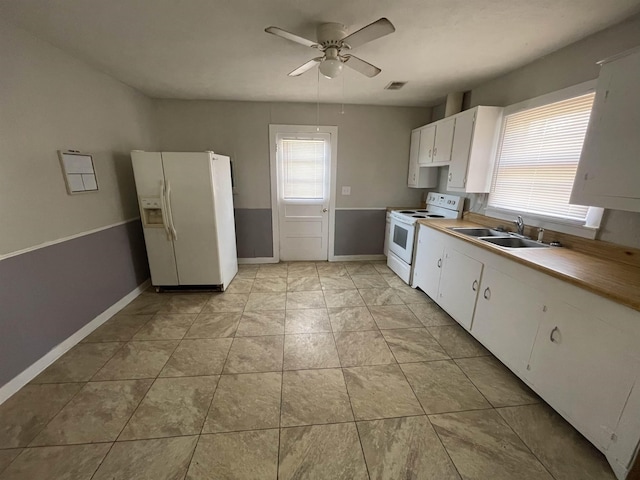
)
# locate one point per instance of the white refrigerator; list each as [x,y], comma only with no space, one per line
[186,206]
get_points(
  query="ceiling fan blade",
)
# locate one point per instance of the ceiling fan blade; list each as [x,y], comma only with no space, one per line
[307,66]
[375,30]
[290,36]
[361,66]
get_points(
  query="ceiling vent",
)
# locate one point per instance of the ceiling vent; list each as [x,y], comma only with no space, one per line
[395,85]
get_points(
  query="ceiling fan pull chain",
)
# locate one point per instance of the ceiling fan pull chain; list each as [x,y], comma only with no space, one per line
[342,111]
[318,104]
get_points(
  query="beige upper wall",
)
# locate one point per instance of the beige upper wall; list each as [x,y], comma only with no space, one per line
[563,68]
[373,144]
[568,66]
[52,101]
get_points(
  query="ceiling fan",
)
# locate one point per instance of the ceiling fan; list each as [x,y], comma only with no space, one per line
[332,40]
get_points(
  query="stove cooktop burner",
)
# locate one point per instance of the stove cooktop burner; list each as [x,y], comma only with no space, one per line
[423,211]
[435,216]
[406,211]
[419,216]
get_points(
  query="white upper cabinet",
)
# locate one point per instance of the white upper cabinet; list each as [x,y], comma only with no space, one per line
[443,141]
[609,171]
[466,142]
[435,143]
[427,140]
[473,151]
[419,177]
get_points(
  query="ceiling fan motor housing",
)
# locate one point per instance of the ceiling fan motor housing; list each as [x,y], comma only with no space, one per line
[330,35]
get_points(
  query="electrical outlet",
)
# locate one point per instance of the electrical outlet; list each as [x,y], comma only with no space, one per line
[346,190]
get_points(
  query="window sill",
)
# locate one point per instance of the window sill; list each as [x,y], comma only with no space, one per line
[548,223]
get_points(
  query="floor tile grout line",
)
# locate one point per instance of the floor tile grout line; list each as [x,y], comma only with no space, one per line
[504,420]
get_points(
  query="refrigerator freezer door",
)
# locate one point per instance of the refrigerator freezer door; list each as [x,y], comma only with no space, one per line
[192,213]
[149,177]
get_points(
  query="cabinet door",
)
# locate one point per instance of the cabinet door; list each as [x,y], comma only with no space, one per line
[507,317]
[580,367]
[414,170]
[427,138]
[461,149]
[444,141]
[459,284]
[609,172]
[428,261]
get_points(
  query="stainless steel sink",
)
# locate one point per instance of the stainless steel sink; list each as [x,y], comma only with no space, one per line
[514,242]
[479,232]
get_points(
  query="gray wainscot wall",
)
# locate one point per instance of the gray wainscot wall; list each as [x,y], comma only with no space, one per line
[50,293]
[360,232]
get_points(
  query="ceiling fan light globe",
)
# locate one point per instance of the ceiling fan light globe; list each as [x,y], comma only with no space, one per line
[331,67]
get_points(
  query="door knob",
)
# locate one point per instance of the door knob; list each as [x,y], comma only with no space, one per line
[324,210]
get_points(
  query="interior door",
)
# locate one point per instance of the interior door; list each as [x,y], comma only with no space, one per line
[304,171]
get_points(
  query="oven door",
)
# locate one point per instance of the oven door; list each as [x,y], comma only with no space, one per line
[401,239]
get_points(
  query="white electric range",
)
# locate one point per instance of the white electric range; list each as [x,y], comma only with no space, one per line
[402,231]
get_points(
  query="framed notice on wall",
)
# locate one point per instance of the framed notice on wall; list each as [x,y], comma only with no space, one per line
[78,171]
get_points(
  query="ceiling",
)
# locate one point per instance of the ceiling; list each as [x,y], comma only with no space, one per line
[217,49]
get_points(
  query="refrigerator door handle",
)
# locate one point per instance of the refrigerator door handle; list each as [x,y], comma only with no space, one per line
[165,219]
[170,213]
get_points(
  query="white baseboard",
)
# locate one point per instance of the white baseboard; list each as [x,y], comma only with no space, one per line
[356,258]
[256,260]
[20,380]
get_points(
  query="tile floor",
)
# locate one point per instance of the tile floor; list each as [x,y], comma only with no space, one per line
[298,371]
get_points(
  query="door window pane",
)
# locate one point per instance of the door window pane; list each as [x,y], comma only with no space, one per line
[303,164]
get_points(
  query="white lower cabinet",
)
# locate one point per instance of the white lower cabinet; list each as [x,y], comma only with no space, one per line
[579,351]
[428,261]
[506,318]
[583,369]
[459,284]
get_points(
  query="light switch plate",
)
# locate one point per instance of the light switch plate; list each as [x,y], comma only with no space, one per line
[346,190]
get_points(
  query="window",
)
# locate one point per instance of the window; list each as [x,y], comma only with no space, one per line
[303,168]
[538,158]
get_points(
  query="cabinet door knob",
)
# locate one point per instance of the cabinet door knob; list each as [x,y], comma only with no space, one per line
[450,176]
[474,285]
[429,153]
[435,151]
[487,293]
[439,262]
[551,335]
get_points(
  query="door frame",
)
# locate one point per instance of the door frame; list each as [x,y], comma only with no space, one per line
[274,130]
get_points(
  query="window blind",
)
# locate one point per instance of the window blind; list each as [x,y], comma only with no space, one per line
[538,159]
[303,168]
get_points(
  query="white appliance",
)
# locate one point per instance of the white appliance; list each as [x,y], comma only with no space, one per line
[402,232]
[186,206]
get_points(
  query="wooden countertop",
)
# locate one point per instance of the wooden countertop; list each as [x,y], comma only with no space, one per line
[616,281]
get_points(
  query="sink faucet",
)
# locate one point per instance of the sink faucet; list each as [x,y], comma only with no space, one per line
[520,225]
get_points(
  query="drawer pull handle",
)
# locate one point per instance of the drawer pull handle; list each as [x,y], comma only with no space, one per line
[439,263]
[474,285]
[551,337]
[487,294]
